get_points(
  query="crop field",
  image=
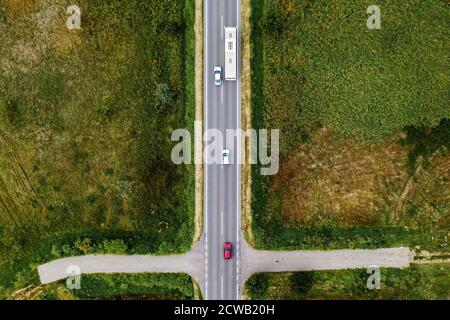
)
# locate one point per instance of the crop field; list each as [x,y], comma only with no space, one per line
[416,283]
[364,123]
[85,123]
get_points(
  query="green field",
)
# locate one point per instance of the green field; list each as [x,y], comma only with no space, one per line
[364,124]
[119,287]
[418,282]
[86,118]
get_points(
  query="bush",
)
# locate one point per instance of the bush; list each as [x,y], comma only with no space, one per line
[114,247]
[257,285]
[302,282]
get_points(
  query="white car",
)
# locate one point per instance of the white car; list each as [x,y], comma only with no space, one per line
[217,76]
[226,156]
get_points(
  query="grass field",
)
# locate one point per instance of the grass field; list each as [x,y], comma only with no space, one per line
[364,120]
[85,123]
[416,283]
[116,287]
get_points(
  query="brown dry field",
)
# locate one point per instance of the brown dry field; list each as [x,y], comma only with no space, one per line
[354,184]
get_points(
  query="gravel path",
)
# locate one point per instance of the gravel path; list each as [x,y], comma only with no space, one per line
[190,263]
[308,260]
[252,261]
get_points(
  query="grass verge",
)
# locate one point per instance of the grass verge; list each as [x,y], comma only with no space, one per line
[116,287]
[428,282]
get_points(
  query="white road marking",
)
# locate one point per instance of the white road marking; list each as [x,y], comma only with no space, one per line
[221,280]
[237,287]
[239,145]
[205,79]
[221,214]
[221,17]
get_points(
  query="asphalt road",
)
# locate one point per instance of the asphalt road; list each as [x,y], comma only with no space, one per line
[222,183]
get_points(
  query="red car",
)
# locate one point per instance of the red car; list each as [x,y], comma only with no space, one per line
[227,250]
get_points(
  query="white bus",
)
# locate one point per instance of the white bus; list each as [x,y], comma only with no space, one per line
[230,54]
